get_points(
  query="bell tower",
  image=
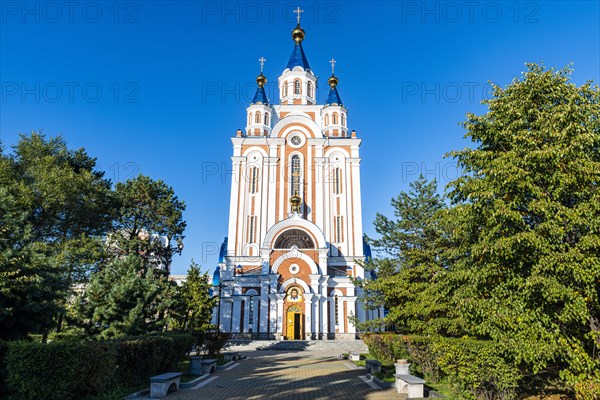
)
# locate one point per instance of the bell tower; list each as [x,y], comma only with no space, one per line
[297,83]
[295,239]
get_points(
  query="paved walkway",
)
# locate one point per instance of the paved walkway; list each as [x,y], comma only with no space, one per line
[290,375]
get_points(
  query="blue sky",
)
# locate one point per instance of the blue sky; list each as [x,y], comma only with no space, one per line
[159,87]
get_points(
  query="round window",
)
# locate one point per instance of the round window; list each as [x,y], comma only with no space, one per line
[294,269]
[296,140]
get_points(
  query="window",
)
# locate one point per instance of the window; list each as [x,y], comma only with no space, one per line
[285,88]
[250,119]
[296,87]
[310,89]
[294,237]
[266,118]
[253,179]
[258,117]
[336,308]
[334,118]
[326,119]
[296,175]
[337,181]
[251,222]
[343,119]
[251,311]
[339,233]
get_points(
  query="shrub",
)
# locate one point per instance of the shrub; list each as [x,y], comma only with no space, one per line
[3,385]
[588,390]
[386,347]
[44,371]
[138,358]
[211,341]
[478,368]
[73,369]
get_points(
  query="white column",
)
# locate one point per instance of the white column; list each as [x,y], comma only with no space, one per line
[351,309]
[316,307]
[357,210]
[272,314]
[325,318]
[235,315]
[227,315]
[255,321]
[246,314]
[280,315]
[308,305]
[264,307]
[360,309]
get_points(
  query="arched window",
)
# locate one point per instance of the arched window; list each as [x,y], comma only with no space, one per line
[294,237]
[310,89]
[251,313]
[258,117]
[343,119]
[250,119]
[266,118]
[297,87]
[336,309]
[326,119]
[296,175]
[285,88]
[337,181]
[254,174]
[334,118]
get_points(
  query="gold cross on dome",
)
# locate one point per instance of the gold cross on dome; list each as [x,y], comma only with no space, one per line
[262,63]
[332,62]
[298,11]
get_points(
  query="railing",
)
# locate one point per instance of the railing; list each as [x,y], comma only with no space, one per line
[335,272]
[253,271]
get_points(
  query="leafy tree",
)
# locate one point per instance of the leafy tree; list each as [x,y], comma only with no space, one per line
[150,219]
[193,306]
[412,248]
[526,271]
[124,298]
[58,205]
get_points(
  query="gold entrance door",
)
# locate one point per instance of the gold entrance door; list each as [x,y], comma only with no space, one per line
[295,319]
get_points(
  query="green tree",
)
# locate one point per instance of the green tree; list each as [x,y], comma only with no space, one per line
[124,298]
[412,256]
[150,222]
[526,268]
[193,307]
[58,206]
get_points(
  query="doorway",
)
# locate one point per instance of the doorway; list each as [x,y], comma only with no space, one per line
[295,319]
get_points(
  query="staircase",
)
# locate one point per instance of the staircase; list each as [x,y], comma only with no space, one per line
[329,346]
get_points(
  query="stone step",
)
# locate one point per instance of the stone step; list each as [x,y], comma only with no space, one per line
[341,346]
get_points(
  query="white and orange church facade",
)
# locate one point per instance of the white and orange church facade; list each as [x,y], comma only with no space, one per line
[295,237]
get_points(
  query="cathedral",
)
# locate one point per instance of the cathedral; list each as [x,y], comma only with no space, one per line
[288,267]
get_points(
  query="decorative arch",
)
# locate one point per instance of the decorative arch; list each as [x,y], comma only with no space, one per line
[294,281]
[336,292]
[343,152]
[295,221]
[248,152]
[314,269]
[294,237]
[251,292]
[299,122]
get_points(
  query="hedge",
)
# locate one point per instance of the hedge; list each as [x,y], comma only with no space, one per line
[74,369]
[477,369]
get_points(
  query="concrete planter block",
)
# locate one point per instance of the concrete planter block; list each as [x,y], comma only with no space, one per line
[354,356]
[402,367]
[196,365]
